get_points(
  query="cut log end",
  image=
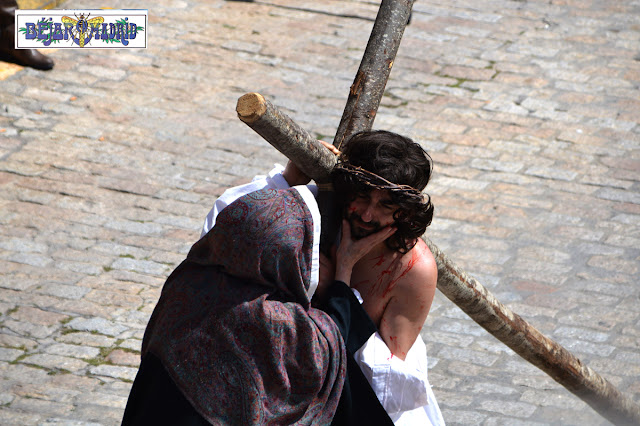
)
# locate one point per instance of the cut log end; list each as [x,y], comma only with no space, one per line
[251,107]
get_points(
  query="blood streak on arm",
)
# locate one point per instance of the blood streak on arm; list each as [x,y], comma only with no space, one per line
[410,265]
[380,280]
[379,260]
[394,343]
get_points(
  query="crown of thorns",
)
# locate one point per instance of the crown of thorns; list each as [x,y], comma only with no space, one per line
[374,181]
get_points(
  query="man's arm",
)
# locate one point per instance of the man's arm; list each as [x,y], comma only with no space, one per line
[407,310]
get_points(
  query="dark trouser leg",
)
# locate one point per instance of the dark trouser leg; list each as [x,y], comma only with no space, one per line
[28,57]
[156,401]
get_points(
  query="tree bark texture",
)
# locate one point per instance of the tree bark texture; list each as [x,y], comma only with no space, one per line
[473,298]
[512,330]
[365,95]
[300,147]
[286,136]
[368,86]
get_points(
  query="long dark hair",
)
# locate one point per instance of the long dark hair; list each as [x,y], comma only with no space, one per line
[396,159]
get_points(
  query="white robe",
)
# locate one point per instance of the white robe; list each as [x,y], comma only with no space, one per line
[401,386]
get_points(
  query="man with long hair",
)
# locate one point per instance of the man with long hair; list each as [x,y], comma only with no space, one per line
[378,182]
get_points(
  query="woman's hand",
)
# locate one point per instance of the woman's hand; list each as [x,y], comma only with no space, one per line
[351,251]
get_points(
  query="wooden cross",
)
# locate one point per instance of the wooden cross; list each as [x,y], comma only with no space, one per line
[467,293]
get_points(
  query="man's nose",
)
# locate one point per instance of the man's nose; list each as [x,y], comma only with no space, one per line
[367,214]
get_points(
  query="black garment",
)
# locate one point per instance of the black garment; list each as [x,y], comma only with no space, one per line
[156,401]
[8,52]
[358,404]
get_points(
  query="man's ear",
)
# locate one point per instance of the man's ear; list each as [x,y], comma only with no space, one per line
[399,214]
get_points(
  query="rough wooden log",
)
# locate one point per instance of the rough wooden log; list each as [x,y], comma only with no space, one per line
[303,149]
[285,135]
[468,294]
[512,330]
[368,86]
[365,95]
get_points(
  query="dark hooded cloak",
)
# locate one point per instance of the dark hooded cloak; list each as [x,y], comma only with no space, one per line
[234,328]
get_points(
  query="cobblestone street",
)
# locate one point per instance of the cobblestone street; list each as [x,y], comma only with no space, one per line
[531,112]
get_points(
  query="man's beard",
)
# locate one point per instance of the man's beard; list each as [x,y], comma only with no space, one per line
[361,229]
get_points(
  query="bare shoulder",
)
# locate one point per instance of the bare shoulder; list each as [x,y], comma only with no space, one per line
[412,297]
[421,270]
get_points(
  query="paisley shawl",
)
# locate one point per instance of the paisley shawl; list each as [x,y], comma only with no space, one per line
[234,327]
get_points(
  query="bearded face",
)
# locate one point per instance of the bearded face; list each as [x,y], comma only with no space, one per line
[360,228]
[370,212]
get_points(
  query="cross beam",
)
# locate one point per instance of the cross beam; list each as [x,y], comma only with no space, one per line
[368,86]
[467,293]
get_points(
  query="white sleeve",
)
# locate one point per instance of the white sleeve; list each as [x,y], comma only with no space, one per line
[399,385]
[273,180]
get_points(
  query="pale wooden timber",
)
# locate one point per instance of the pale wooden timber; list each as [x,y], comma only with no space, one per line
[467,293]
[364,97]
[368,86]
[512,330]
[285,135]
[304,150]
[474,299]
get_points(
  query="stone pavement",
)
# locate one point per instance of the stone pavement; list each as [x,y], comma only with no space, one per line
[530,109]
